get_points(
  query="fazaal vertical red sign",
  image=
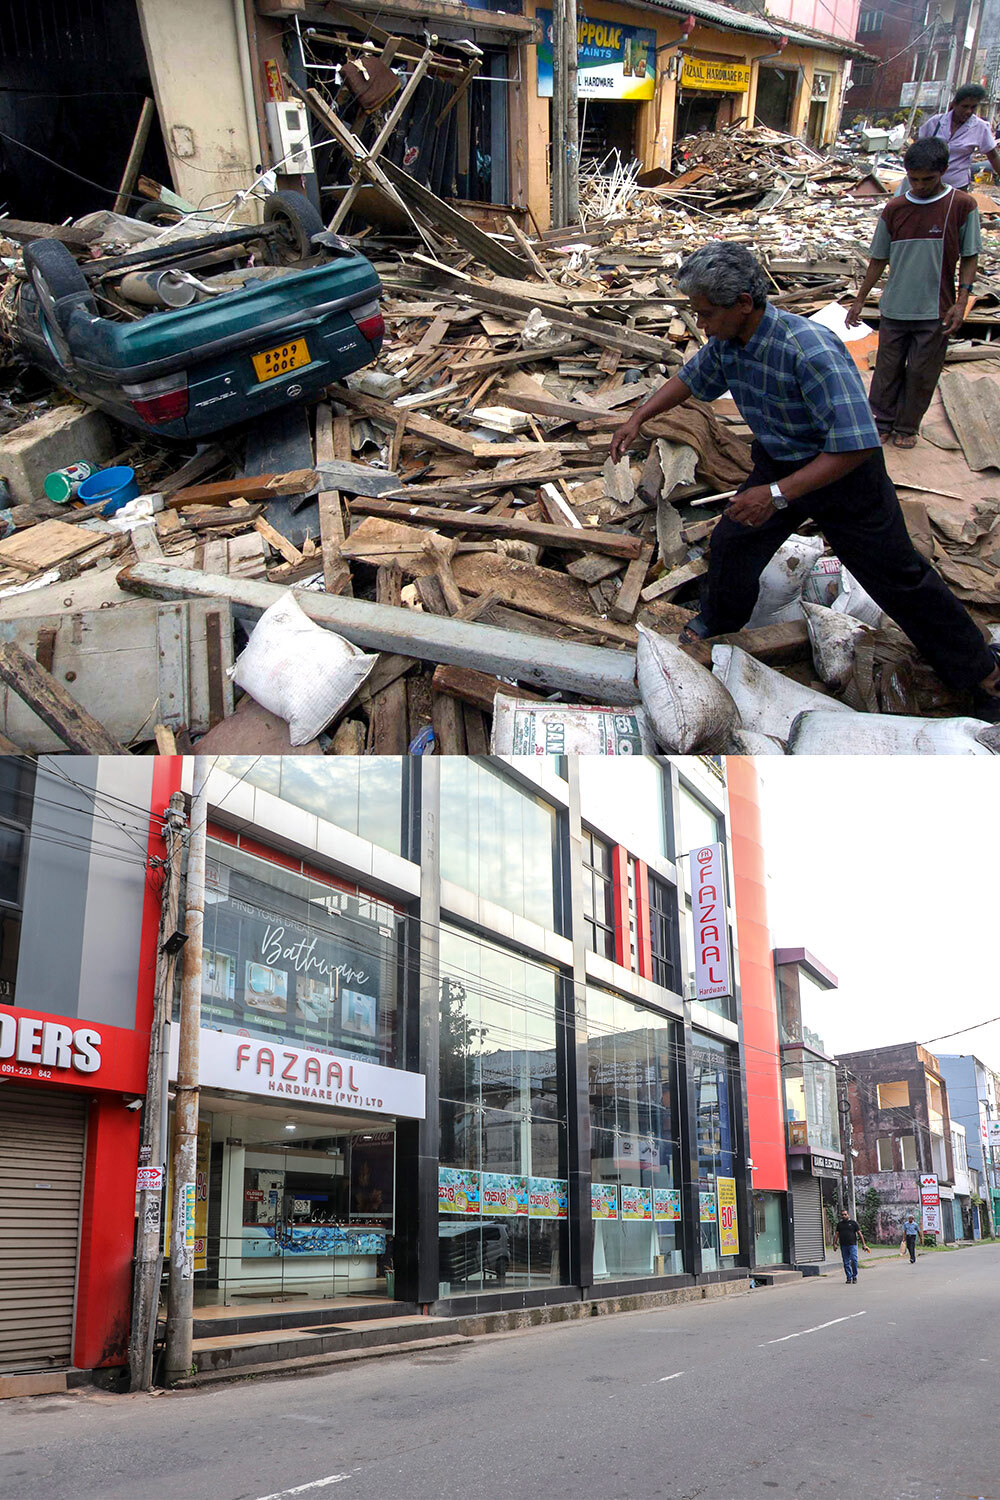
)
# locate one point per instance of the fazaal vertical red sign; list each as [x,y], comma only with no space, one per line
[713,977]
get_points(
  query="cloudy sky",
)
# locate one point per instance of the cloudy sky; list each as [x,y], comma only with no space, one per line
[888,871]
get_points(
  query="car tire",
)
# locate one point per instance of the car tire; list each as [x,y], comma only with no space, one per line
[298,221]
[60,286]
[157,213]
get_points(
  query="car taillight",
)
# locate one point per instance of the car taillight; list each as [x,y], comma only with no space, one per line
[370,321]
[159,401]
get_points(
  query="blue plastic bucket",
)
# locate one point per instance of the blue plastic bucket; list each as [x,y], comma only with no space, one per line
[117,486]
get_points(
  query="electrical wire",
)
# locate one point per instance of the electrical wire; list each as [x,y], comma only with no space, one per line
[112,192]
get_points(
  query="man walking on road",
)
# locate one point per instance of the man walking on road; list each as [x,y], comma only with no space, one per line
[911,1229]
[848,1232]
[816,455]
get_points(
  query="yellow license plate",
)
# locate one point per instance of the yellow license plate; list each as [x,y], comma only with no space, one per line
[274,362]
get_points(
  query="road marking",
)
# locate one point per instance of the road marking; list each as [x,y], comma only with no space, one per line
[788,1336]
[670,1377]
[302,1489]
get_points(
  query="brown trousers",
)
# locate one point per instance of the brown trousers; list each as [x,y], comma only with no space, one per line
[910,359]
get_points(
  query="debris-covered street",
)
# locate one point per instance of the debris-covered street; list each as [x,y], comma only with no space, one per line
[439,496]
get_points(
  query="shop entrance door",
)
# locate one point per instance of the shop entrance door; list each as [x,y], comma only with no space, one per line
[775,97]
[300,1208]
[42,1138]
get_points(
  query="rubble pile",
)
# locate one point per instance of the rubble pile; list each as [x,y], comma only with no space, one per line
[453,511]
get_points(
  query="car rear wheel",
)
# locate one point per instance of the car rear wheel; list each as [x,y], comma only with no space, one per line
[157,213]
[298,221]
[59,285]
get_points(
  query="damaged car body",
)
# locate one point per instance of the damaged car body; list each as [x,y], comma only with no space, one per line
[186,338]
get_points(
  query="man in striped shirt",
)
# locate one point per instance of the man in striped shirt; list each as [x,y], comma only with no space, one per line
[816,456]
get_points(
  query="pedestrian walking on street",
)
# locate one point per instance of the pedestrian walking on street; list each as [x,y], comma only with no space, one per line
[965,133]
[910,1231]
[848,1232]
[921,237]
[816,456]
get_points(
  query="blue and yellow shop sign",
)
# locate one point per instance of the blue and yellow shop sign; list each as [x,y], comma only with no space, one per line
[715,77]
[613,61]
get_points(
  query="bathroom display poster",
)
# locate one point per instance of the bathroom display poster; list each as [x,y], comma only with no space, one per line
[667,1204]
[503,1194]
[604,1200]
[459,1192]
[548,1198]
[637,1204]
[613,61]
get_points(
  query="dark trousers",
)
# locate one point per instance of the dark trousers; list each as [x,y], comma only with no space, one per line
[909,361]
[911,1245]
[860,517]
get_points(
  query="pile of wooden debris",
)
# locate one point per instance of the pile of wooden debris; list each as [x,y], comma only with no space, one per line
[454,508]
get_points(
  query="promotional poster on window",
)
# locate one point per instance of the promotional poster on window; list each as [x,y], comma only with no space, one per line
[278,964]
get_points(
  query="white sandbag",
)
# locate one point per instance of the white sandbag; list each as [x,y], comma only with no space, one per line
[824,581]
[783,580]
[749,742]
[822,733]
[299,671]
[853,600]
[523,726]
[688,709]
[834,639]
[767,701]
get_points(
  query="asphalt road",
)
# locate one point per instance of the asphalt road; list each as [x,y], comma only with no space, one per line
[884,1391]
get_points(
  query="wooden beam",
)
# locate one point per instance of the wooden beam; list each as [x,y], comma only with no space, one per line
[134,161]
[594,672]
[569,538]
[441,214]
[79,731]
[357,13]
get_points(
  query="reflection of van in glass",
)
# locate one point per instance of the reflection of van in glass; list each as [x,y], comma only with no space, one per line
[496,1250]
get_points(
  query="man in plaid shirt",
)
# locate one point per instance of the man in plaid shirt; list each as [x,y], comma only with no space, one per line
[816,456]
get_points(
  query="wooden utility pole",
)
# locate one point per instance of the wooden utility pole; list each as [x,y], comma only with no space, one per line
[923,74]
[557,145]
[184,1159]
[153,1146]
[571,130]
[847,1138]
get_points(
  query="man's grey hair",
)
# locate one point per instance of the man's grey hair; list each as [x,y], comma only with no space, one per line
[722,273]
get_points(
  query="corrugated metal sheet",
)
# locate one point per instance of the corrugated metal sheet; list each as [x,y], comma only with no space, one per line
[808,1209]
[42,1137]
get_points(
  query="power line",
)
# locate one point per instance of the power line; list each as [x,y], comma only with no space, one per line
[962,1031]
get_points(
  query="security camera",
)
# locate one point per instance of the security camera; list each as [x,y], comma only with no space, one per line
[134,1104]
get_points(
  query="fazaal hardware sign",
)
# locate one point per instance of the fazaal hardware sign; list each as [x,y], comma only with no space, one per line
[715,77]
[613,61]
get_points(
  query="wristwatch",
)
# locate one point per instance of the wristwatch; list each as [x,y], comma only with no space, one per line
[777,498]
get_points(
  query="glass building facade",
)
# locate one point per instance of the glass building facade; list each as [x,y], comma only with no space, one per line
[520,938]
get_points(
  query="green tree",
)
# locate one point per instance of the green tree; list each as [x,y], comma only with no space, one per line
[868,1214]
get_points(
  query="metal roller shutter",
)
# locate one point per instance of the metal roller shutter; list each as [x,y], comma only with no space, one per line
[42,1139]
[808,1208]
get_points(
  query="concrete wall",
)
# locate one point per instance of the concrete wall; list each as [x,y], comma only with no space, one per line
[194,62]
[914,1065]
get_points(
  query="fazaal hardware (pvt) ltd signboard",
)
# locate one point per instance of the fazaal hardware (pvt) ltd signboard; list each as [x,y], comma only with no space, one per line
[613,61]
[715,77]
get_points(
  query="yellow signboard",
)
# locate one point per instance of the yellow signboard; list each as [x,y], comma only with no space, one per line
[729,1229]
[715,77]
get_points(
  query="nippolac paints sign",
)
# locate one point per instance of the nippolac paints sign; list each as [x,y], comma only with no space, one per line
[711,934]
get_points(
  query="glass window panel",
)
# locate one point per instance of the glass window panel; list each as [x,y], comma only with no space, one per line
[698,824]
[290,956]
[11,856]
[363,795]
[461,1136]
[498,840]
[501,1142]
[639,820]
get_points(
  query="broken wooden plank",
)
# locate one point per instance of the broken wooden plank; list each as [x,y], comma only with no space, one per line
[443,216]
[776,645]
[627,603]
[594,672]
[280,543]
[439,433]
[24,230]
[671,582]
[49,544]
[47,698]
[478,689]
[973,409]
[244,487]
[582,539]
